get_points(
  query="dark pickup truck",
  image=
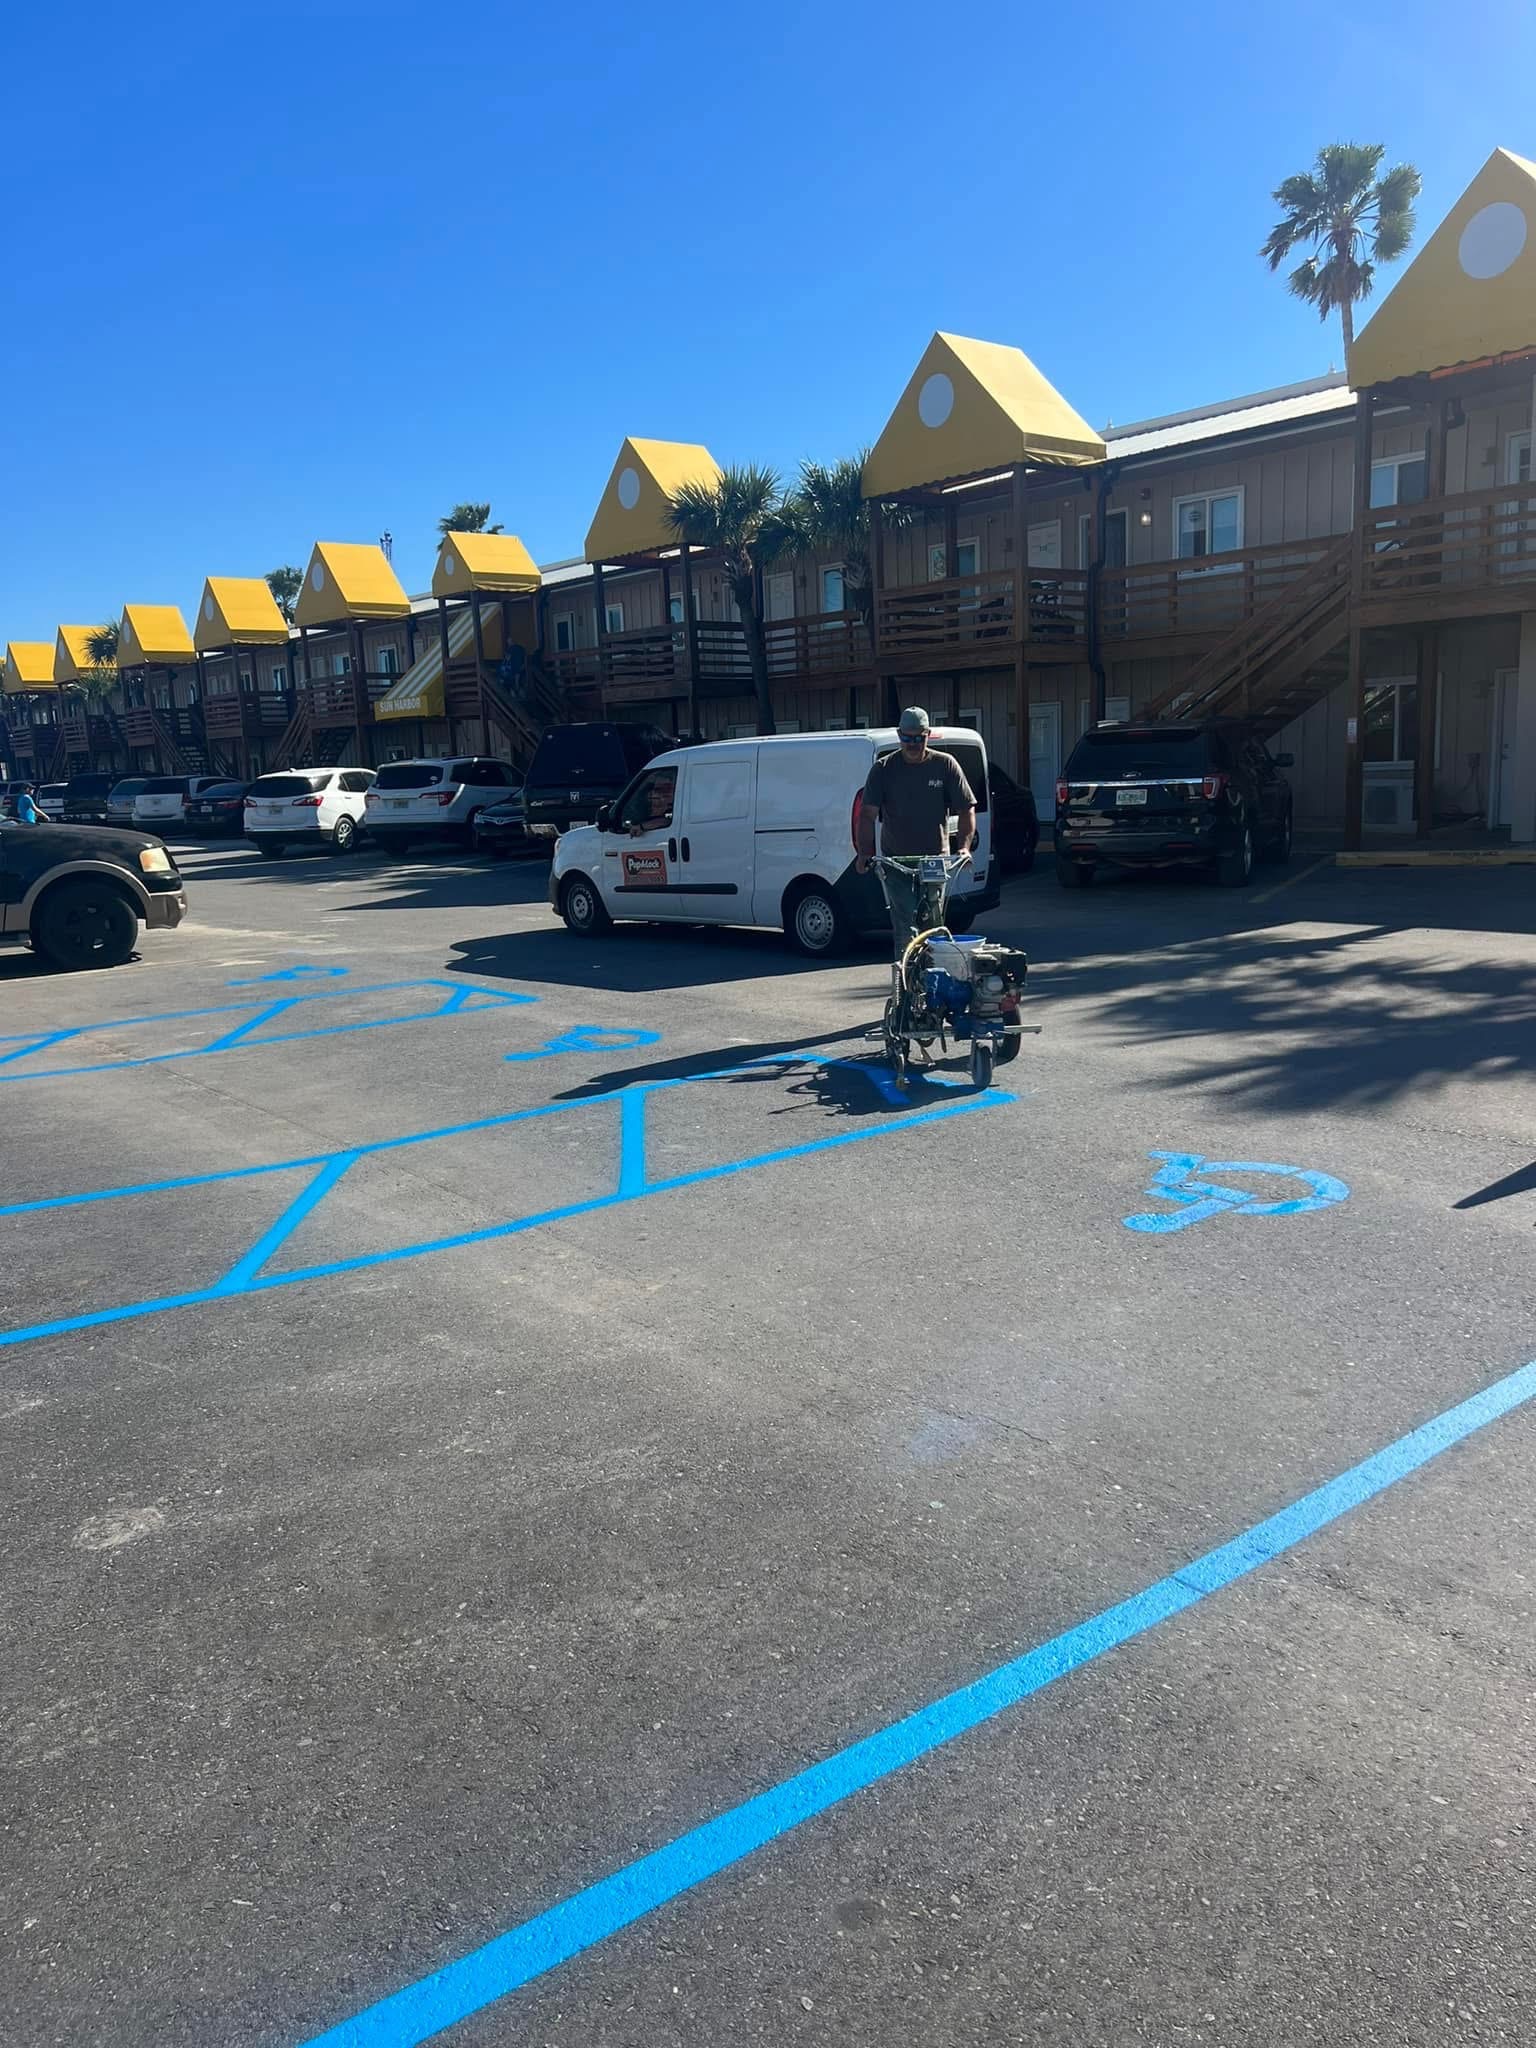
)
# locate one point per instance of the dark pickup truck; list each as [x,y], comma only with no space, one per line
[79,893]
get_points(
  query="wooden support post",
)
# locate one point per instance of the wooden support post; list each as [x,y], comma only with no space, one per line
[691,641]
[1354,746]
[360,704]
[876,587]
[442,648]
[951,537]
[410,642]
[1429,705]
[1021,620]
[480,697]
[600,620]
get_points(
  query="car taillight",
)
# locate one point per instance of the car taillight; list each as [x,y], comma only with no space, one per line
[853,822]
[445,796]
[1063,792]
[308,803]
[1212,787]
[370,798]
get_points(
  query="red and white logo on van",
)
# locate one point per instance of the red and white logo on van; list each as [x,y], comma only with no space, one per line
[647,870]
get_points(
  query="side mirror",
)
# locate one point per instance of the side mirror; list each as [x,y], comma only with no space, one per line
[604,817]
[1283,760]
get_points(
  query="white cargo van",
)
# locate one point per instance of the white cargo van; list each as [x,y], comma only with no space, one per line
[755,832]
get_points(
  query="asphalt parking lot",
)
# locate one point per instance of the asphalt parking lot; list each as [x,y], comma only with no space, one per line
[482,1408]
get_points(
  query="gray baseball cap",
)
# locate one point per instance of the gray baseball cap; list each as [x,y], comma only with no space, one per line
[914,719]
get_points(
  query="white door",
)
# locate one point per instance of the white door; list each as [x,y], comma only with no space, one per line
[1501,749]
[1044,757]
[715,840]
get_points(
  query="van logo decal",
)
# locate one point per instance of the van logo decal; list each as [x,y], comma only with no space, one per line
[647,870]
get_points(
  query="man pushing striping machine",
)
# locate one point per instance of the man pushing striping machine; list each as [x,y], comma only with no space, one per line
[943,984]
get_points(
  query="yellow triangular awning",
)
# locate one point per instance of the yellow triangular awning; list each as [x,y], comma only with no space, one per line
[420,692]
[972,407]
[238,611]
[349,580]
[28,667]
[1470,293]
[631,516]
[496,562]
[153,636]
[71,655]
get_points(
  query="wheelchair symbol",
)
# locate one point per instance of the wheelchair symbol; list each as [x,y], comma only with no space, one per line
[588,1038]
[1175,1181]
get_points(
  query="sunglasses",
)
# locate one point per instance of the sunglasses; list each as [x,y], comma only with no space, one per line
[913,739]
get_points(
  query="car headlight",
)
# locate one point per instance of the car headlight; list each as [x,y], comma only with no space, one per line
[154,860]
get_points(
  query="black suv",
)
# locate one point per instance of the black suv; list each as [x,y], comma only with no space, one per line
[85,799]
[80,893]
[1194,795]
[577,767]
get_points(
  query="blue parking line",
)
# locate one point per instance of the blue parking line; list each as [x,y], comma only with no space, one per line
[578,1923]
[631,1184]
[459,999]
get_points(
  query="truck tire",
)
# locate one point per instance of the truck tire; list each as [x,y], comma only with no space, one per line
[85,924]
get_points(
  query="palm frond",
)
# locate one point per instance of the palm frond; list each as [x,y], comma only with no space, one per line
[101,645]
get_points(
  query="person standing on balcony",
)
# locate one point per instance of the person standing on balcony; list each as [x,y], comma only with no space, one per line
[913,794]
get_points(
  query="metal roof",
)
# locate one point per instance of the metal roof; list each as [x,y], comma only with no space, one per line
[1318,399]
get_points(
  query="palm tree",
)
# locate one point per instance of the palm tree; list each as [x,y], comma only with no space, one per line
[1352,217]
[830,515]
[468,518]
[285,583]
[739,515]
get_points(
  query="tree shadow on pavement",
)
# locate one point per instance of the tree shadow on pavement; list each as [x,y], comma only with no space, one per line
[1354,1019]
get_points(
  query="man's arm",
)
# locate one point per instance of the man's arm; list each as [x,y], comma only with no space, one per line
[960,798]
[866,846]
[965,834]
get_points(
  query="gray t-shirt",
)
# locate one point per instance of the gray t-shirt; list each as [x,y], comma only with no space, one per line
[914,798]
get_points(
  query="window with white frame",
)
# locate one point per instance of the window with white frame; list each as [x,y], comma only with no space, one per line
[565,632]
[1399,479]
[1391,732]
[675,609]
[278,680]
[971,716]
[833,590]
[1207,523]
[1117,538]
[341,664]
[1517,462]
[388,661]
[613,615]
[245,679]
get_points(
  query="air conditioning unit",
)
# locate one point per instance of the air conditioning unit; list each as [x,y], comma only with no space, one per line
[1387,803]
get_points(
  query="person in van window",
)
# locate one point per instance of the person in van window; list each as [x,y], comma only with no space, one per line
[913,793]
[659,795]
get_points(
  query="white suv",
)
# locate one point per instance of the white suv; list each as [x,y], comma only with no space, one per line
[162,800]
[421,799]
[306,807]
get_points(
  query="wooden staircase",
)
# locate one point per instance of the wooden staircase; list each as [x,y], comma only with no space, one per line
[1280,661]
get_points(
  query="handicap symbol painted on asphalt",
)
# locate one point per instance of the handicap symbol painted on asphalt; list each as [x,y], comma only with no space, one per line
[1175,1181]
[288,974]
[588,1038]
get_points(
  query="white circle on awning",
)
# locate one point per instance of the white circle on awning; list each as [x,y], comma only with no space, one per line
[629,489]
[317,577]
[208,607]
[1492,239]
[936,400]
[450,566]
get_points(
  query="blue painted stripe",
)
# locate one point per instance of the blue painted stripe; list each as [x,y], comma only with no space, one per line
[477,1980]
[249,1264]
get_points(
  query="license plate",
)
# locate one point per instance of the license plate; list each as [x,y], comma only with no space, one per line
[580,821]
[1130,796]
[397,803]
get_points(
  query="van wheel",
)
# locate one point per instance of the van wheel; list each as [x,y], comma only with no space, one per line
[814,923]
[343,834]
[582,908]
[85,924]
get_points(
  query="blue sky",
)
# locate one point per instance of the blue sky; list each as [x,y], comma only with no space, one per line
[318,271]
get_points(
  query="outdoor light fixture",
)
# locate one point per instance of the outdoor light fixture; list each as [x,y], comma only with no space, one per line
[1146,518]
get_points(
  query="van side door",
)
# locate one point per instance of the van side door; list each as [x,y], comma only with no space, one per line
[715,839]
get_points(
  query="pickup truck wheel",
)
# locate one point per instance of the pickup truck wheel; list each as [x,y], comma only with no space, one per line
[85,924]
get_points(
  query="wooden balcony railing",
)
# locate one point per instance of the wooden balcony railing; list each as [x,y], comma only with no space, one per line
[1475,545]
[249,714]
[337,701]
[929,618]
[1162,600]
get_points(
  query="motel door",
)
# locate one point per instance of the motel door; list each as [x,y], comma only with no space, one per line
[1044,757]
